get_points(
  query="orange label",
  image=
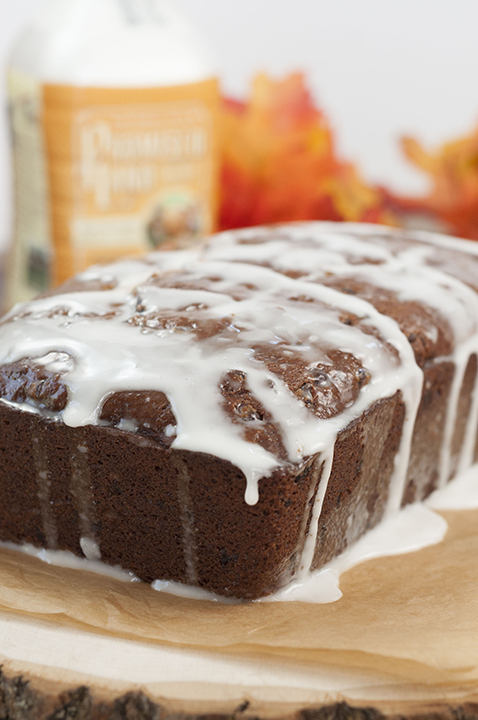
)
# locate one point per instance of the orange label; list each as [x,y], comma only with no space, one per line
[128,169]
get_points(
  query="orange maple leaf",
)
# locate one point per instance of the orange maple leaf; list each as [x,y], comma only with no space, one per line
[280,164]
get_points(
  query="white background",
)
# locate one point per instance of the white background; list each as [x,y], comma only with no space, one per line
[380,68]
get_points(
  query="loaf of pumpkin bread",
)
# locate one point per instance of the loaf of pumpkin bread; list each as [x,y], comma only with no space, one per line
[234,416]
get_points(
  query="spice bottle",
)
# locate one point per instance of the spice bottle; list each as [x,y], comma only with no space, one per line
[113,107]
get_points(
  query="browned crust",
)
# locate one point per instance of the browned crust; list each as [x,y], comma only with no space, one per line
[162,512]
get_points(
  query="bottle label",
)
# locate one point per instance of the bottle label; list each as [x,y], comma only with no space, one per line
[31,253]
[128,170]
[101,173]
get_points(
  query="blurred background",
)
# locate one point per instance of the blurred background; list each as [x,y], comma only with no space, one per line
[379,70]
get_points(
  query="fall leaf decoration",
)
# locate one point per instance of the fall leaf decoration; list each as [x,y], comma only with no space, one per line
[279,162]
[453,171]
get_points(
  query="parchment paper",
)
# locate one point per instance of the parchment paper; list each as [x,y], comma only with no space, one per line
[413,616]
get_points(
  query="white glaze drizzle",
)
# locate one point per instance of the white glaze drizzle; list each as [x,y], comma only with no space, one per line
[307,557]
[468,448]
[461,358]
[80,488]
[44,485]
[410,278]
[111,355]
[106,354]
[64,558]
[412,528]
[187,519]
